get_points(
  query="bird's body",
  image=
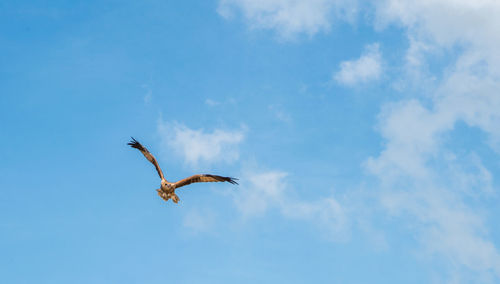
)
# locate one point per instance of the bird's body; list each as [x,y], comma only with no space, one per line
[167,189]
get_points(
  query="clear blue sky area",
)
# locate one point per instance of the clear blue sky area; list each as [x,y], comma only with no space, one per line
[365,137]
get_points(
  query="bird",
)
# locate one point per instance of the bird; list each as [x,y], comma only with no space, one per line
[167,189]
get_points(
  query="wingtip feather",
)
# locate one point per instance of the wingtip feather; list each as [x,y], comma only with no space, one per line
[221,178]
[232,180]
[135,144]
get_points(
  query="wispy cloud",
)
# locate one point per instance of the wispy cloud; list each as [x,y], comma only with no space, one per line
[149,94]
[211,102]
[289,17]
[262,191]
[280,113]
[421,178]
[366,68]
[198,146]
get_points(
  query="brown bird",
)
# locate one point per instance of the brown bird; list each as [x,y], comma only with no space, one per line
[167,189]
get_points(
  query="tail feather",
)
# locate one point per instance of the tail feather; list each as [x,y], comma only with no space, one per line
[175,198]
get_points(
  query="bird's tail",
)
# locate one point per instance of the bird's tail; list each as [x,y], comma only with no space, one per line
[162,194]
[175,198]
[166,196]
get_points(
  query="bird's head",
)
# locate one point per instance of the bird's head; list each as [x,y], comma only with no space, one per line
[165,184]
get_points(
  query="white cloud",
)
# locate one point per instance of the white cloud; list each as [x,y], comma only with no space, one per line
[445,22]
[421,177]
[364,69]
[289,17]
[264,191]
[424,179]
[472,26]
[197,146]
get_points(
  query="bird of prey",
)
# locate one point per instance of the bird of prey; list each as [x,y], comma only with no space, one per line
[167,189]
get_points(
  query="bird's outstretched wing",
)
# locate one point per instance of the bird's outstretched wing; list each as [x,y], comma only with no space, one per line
[204,178]
[135,144]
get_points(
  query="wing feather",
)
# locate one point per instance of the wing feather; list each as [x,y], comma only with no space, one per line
[135,144]
[204,178]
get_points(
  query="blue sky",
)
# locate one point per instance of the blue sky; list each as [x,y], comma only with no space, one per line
[365,137]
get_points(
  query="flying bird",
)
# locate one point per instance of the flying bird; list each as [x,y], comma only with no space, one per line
[167,189]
